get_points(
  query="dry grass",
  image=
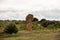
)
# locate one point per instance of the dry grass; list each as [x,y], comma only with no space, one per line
[36,35]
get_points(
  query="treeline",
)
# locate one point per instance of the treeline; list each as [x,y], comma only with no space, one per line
[42,22]
[22,23]
[49,24]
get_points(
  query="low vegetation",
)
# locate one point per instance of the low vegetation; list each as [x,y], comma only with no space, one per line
[11,28]
[41,30]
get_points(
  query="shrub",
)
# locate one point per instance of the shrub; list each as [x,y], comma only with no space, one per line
[11,28]
[51,26]
[35,26]
[23,27]
[16,22]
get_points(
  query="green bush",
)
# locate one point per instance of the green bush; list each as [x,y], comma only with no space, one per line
[11,28]
[35,26]
[52,26]
[23,27]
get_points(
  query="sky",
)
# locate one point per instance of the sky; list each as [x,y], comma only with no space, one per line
[19,9]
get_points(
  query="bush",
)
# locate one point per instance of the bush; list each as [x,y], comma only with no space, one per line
[23,27]
[11,28]
[16,22]
[51,26]
[35,26]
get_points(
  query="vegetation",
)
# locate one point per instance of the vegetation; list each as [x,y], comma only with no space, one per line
[34,35]
[35,19]
[41,30]
[11,28]
[49,24]
[21,25]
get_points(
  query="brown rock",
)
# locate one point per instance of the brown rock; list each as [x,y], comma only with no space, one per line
[29,19]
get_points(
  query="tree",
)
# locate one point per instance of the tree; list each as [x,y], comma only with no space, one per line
[35,19]
[44,22]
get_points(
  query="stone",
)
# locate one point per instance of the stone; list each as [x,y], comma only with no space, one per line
[29,20]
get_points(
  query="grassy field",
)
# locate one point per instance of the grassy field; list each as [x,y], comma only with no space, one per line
[38,32]
[34,35]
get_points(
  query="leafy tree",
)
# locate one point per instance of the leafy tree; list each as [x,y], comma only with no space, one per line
[35,19]
[44,22]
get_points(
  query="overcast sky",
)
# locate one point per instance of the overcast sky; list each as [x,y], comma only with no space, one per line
[18,9]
